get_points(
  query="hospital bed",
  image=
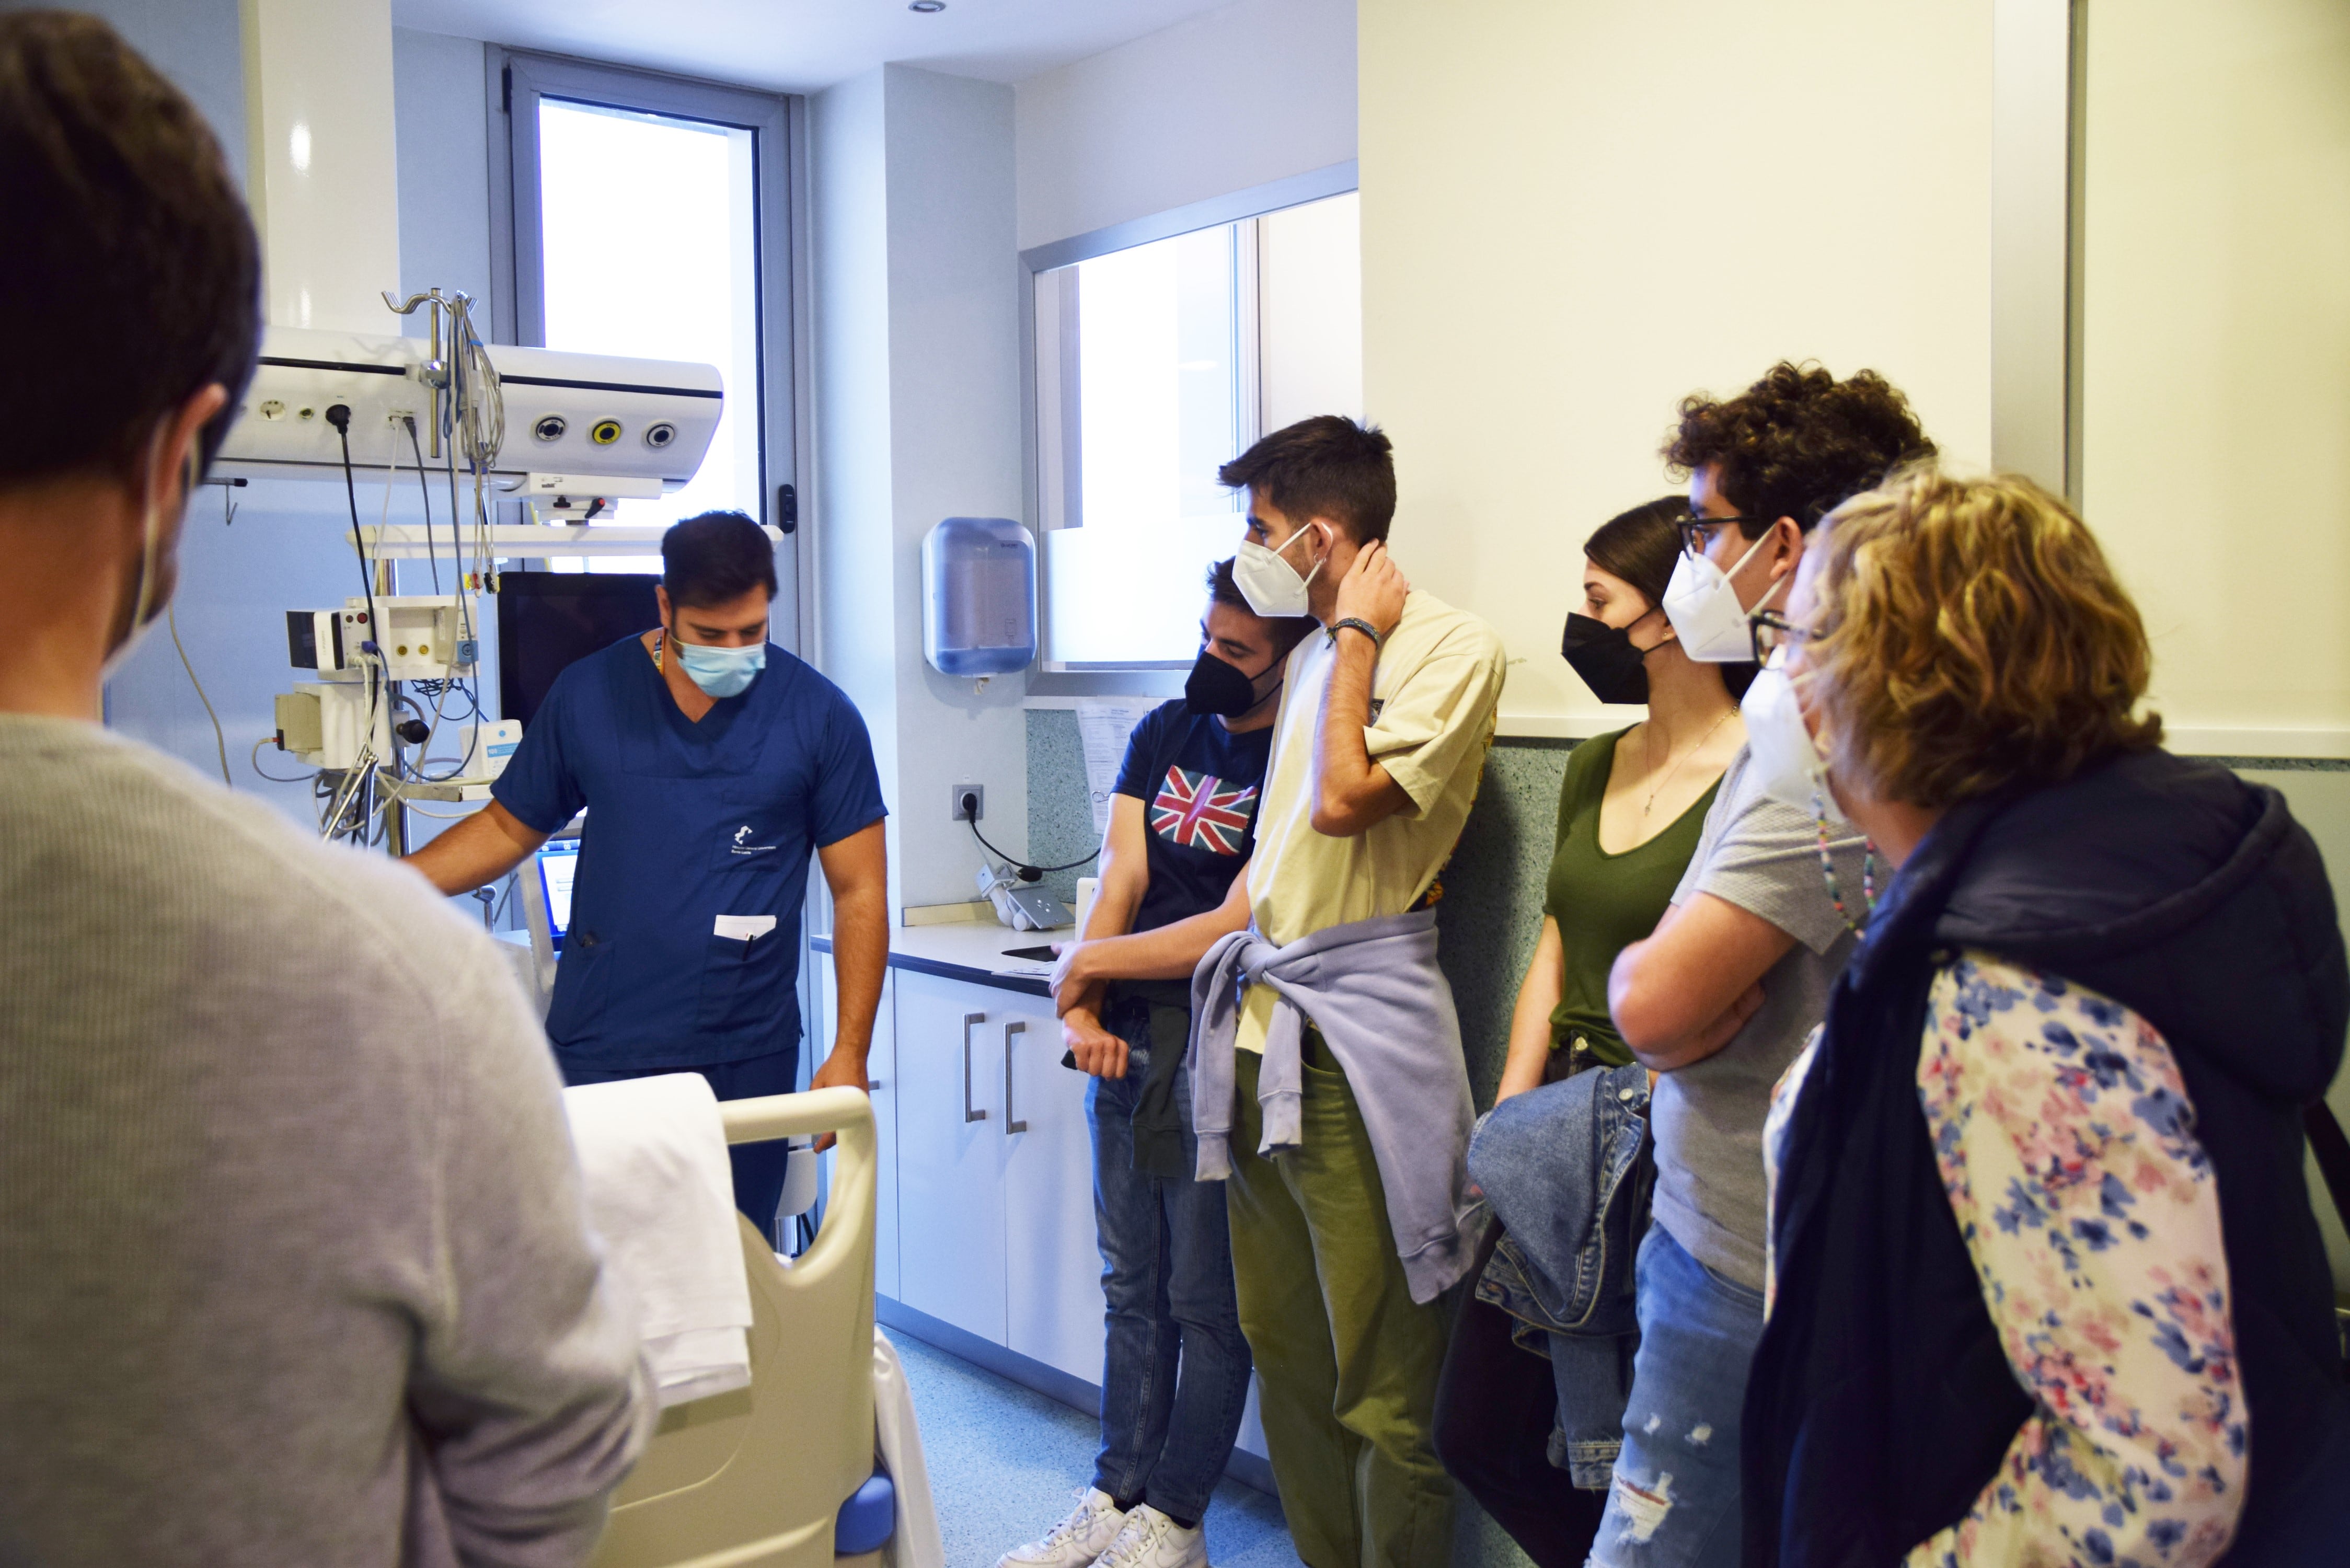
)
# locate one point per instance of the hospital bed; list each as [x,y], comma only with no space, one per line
[759,1475]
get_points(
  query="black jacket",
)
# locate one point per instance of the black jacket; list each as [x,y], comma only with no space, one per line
[1880,1401]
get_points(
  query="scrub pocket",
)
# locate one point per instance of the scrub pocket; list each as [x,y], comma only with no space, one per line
[744,984]
[582,979]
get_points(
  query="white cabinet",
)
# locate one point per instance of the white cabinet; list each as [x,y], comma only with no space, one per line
[1053,1292]
[995,1173]
[950,1156]
[882,1073]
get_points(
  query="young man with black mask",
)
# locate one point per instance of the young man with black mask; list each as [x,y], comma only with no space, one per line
[1182,821]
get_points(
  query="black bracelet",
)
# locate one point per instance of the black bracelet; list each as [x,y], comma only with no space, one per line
[1379,643]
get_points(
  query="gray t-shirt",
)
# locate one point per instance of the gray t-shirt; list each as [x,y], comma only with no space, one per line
[294,1265]
[1763,857]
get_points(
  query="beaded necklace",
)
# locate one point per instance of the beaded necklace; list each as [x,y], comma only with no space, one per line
[1827,867]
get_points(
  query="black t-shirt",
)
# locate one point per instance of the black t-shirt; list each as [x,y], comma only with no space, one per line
[1199,784]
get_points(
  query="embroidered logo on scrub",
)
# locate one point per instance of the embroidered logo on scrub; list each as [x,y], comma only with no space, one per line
[1199,811]
[741,845]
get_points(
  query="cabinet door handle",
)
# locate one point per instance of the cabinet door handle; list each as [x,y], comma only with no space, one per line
[1011,1127]
[969,1114]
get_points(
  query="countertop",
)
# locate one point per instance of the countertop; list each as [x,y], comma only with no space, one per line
[968,951]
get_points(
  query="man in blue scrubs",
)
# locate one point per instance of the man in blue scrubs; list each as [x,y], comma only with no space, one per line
[711,765]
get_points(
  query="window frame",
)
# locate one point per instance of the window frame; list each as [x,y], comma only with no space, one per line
[1256,201]
[517,81]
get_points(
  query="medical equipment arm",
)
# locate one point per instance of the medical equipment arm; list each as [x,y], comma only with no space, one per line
[1685,992]
[1352,794]
[477,851]
[856,870]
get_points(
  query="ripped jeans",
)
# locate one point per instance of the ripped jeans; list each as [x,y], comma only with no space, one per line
[1673,1502]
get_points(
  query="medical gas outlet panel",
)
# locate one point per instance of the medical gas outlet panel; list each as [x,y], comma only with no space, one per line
[417,636]
[594,415]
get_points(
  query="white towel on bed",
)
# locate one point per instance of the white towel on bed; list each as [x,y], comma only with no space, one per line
[661,1194]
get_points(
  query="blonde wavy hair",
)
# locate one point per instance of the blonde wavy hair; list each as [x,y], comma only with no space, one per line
[1967,634]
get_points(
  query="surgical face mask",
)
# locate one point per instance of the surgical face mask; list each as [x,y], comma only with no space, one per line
[1604,657]
[1266,580]
[1703,606]
[147,599]
[1219,687]
[721,671]
[1786,758]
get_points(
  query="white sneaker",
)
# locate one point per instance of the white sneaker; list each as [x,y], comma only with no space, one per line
[1077,1540]
[1151,1540]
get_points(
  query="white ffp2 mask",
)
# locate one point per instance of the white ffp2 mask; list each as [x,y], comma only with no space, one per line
[1266,580]
[1704,609]
[1784,757]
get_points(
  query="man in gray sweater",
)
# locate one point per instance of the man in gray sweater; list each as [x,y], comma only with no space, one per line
[293,1262]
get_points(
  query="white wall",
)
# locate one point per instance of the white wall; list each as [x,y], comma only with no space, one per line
[2216,357]
[918,409]
[441,109]
[1254,92]
[1577,211]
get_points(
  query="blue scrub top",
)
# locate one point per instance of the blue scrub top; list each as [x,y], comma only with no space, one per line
[686,821]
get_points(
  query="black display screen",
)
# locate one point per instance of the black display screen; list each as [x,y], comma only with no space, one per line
[547,619]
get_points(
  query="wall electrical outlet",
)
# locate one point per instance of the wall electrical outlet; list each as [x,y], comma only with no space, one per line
[955,809]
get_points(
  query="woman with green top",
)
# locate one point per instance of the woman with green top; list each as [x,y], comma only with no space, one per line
[1630,810]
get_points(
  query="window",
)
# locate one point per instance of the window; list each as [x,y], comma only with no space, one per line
[648,220]
[1155,363]
[648,247]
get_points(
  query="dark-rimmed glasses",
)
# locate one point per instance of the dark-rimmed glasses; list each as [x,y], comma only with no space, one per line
[1697,532]
[1772,631]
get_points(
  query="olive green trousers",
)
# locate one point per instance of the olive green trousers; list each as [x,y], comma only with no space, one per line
[1349,1362]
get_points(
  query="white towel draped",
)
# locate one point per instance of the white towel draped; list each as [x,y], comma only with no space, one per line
[661,1193]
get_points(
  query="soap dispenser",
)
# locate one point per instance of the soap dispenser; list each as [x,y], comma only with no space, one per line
[978,596]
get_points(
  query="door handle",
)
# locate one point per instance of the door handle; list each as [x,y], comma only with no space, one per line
[1011,1127]
[969,1112]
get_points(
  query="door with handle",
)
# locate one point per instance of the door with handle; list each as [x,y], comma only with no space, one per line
[951,1152]
[1053,1297]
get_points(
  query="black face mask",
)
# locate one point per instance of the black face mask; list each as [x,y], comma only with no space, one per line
[1218,688]
[1604,657]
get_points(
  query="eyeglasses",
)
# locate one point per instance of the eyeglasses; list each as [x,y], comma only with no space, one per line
[1697,532]
[1772,631]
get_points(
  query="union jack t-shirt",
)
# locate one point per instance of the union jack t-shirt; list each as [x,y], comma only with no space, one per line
[1203,812]
[1199,784]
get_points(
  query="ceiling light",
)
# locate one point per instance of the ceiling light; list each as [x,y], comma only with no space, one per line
[927,8]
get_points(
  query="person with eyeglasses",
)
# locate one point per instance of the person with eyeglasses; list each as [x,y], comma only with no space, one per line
[1722,997]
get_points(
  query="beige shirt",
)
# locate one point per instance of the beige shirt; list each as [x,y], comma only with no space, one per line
[1433,698]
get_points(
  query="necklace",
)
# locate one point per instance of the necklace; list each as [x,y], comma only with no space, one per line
[1677,767]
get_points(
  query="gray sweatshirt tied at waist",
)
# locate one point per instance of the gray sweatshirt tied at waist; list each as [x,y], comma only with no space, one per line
[1373,989]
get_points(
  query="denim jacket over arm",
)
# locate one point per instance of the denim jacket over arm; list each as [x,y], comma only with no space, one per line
[1564,1169]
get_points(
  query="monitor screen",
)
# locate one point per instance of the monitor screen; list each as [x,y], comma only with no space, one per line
[558,862]
[547,619]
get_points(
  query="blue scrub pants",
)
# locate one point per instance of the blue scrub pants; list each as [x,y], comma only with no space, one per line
[758,1166]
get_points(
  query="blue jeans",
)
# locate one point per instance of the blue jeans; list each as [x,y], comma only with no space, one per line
[1674,1499]
[1175,1370]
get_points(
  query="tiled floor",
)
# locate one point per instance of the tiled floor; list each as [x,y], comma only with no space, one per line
[1006,1462]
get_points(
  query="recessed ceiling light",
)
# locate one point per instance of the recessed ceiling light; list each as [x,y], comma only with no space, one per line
[927,8]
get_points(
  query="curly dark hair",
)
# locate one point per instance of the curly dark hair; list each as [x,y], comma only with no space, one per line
[1798,443]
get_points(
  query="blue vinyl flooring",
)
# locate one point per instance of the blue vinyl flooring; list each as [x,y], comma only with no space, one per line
[1006,1463]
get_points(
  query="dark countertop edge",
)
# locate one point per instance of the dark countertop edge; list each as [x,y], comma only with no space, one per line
[1026,986]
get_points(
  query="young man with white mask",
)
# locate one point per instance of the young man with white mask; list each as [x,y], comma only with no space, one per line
[295,1262]
[1721,998]
[1326,1077]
